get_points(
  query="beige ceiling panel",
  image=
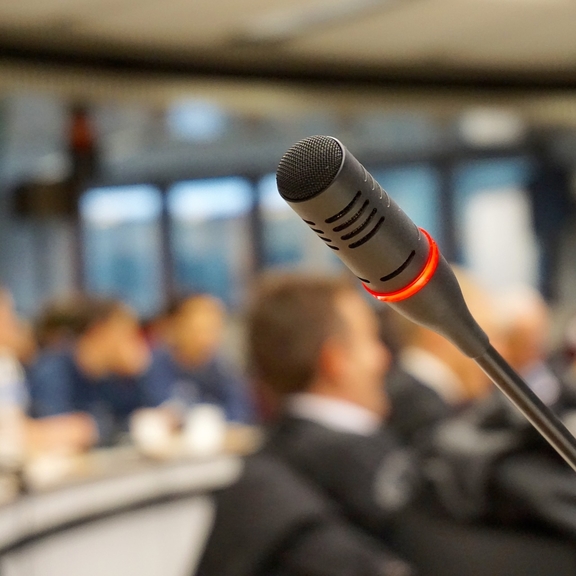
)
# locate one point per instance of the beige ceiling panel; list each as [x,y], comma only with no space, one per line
[539,37]
[438,34]
[44,12]
[183,25]
[439,31]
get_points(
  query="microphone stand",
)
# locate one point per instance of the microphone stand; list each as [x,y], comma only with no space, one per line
[518,392]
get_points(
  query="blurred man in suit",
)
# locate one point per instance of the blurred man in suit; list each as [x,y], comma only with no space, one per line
[313,344]
[533,483]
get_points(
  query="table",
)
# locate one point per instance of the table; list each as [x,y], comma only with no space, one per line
[116,512]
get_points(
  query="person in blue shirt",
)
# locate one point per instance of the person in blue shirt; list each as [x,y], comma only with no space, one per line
[21,436]
[195,367]
[105,373]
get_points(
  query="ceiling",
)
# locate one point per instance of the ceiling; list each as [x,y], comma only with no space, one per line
[474,42]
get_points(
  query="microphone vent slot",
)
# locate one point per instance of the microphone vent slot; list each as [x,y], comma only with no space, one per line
[359,229]
[344,210]
[400,268]
[309,222]
[353,219]
[317,231]
[365,239]
[325,239]
[333,247]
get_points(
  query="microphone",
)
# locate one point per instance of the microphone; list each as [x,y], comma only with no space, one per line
[398,263]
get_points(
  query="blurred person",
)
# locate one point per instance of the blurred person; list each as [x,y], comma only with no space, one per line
[101,369]
[273,521]
[20,435]
[533,484]
[525,339]
[486,461]
[526,326]
[432,379]
[564,356]
[26,348]
[196,370]
[313,344]
[12,387]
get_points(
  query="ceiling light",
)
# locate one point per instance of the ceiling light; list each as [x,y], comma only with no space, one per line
[485,127]
[287,23]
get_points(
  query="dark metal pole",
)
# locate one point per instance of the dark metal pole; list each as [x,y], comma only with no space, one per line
[518,392]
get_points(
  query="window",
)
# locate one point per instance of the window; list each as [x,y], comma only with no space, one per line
[210,236]
[122,244]
[494,222]
[288,241]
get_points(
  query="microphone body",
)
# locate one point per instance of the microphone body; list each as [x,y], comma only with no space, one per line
[353,215]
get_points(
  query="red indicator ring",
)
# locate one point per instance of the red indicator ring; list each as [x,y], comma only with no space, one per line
[419,282]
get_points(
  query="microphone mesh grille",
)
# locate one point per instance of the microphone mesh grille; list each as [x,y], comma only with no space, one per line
[308,168]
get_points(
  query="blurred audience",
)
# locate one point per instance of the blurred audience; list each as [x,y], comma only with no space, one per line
[533,484]
[525,335]
[314,343]
[482,459]
[95,364]
[19,435]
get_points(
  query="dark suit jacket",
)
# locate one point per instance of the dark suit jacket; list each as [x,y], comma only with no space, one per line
[369,477]
[415,408]
[272,522]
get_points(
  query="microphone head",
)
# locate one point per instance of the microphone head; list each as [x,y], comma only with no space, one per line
[308,168]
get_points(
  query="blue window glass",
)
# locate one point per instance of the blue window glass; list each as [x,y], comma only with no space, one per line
[492,174]
[196,120]
[493,221]
[210,236]
[122,244]
[288,241]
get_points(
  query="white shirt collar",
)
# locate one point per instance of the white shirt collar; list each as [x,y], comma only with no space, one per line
[432,372]
[333,413]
